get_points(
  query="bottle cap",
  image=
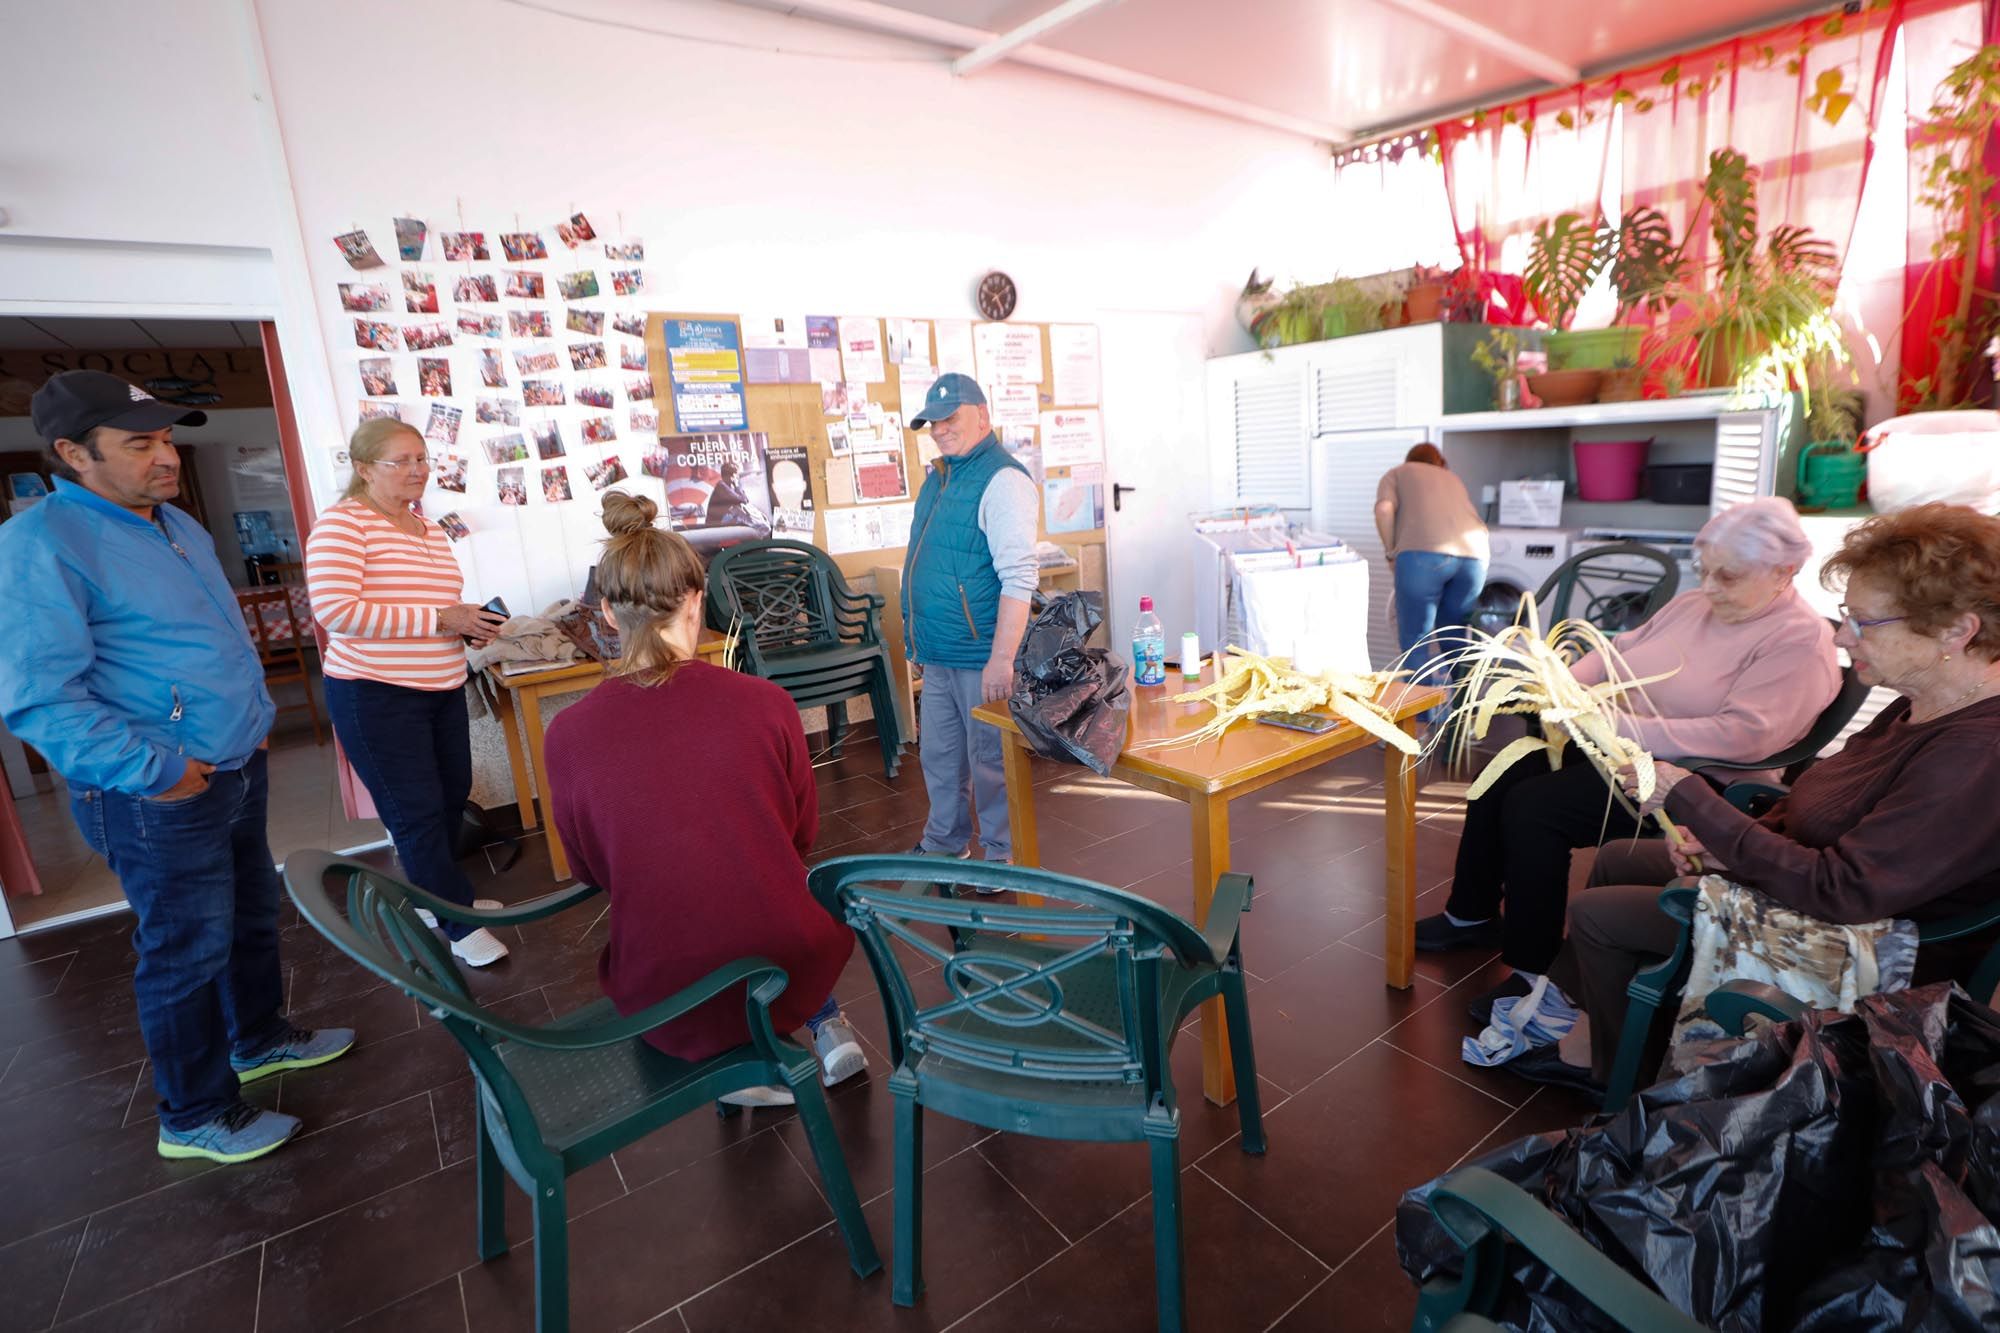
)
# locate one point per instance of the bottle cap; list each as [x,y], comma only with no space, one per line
[1145,603]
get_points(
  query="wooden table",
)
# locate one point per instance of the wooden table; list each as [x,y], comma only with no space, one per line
[1208,776]
[523,694]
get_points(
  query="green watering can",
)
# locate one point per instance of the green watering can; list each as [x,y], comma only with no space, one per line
[1831,475]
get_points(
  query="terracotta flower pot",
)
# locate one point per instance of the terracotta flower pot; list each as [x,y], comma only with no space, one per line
[1565,388]
[1624,385]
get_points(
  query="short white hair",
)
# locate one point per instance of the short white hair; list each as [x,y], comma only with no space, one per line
[1763,532]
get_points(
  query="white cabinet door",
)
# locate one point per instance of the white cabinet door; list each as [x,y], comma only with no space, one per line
[1258,431]
[1345,471]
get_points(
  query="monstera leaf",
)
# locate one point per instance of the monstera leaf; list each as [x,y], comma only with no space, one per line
[1731,194]
[1645,262]
[1567,254]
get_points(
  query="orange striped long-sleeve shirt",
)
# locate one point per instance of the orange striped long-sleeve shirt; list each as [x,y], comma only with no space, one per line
[378,592]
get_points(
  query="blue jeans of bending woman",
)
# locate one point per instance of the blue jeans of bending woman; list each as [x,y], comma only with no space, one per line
[1433,593]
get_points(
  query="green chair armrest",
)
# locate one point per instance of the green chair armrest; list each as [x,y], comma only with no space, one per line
[1474,1202]
[1231,901]
[1649,991]
[1734,1003]
[759,972]
[518,914]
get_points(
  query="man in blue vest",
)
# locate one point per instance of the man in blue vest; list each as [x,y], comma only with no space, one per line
[968,576]
[125,660]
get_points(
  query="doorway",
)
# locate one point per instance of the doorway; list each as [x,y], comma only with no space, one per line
[237,482]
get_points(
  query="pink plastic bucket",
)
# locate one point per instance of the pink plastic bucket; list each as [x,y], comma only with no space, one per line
[1609,469]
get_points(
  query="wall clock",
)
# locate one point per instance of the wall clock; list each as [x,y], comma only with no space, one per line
[996,295]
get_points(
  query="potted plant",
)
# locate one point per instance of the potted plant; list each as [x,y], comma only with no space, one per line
[1499,356]
[1831,469]
[1311,312]
[1424,301]
[1566,256]
[1958,134]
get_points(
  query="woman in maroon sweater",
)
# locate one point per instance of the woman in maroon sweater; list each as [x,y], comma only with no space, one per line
[1899,823]
[685,792]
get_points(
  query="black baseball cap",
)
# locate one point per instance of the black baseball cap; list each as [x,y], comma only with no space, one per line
[76,402]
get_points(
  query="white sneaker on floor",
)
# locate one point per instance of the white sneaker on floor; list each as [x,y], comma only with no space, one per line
[839,1051]
[478,905]
[762,1095]
[482,948]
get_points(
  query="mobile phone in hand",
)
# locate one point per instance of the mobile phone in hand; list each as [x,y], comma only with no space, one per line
[497,607]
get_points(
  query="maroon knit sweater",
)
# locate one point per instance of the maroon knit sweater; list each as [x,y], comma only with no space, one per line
[691,804]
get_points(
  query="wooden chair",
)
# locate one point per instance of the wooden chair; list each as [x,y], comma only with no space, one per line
[280,639]
[553,1098]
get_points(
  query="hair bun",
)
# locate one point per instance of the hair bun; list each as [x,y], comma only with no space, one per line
[626,513]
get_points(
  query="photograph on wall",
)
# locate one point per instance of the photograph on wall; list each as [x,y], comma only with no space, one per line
[909,341]
[443,425]
[448,470]
[630,251]
[497,412]
[705,369]
[510,448]
[454,526]
[529,324]
[600,430]
[605,472]
[357,250]
[363,296]
[410,233]
[523,245]
[836,438]
[512,486]
[578,286]
[1073,499]
[378,377]
[717,487]
[371,410]
[595,395]
[555,484]
[578,320]
[576,231]
[586,356]
[537,360]
[632,326]
[377,335]
[639,388]
[420,293]
[423,337]
[475,287]
[434,376]
[645,421]
[880,475]
[789,467]
[627,281]
[543,393]
[524,284]
[548,439]
[492,370]
[463,244]
[479,326]
[633,358]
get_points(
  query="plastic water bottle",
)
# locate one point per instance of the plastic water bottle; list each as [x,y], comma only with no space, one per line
[1149,647]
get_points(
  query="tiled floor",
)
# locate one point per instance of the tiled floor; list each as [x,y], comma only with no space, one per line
[366,1221]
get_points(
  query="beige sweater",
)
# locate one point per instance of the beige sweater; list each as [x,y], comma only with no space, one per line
[1431,512]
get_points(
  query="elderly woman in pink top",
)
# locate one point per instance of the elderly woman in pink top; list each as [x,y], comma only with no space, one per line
[1752,665]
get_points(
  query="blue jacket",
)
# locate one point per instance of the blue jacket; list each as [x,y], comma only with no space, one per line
[951,592]
[122,657]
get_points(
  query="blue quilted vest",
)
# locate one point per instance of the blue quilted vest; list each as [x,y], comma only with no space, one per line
[951,594]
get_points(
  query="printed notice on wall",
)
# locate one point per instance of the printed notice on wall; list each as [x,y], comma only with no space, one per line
[823,347]
[1074,364]
[1072,438]
[792,505]
[1011,404]
[1009,352]
[868,528]
[705,363]
[954,347]
[861,350]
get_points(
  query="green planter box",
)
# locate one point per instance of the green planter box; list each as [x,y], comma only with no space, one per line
[1595,349]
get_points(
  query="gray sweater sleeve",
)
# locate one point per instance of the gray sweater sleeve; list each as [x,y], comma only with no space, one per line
[1010,513]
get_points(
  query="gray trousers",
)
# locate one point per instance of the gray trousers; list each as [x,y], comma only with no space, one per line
[960,756]
[1616,931]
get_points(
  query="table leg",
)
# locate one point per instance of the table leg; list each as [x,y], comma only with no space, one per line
[1399,815]
[517,763]
[1211,862]
[531,706]
[1016,761]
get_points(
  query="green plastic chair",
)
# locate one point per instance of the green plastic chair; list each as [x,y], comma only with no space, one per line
[1482,1212]
[1058,1021]
[801,627]
[553,1099]
[1611,586]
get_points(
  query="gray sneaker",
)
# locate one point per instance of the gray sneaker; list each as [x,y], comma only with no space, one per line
[239,1134]
[839,1051]
[297,1049]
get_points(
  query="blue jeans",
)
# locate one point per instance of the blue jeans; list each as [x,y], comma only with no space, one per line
[959,753]
[198,874]
[412,749]
[1434,593]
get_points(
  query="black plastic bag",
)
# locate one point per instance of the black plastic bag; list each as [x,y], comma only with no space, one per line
[1070,701]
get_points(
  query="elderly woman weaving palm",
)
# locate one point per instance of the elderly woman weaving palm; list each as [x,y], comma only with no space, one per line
[1748,666]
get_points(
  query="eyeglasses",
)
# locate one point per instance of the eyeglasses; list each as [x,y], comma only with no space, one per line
[403,463]
[1703,571]
[1853,624]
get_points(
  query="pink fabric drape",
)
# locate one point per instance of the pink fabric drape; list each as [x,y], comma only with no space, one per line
[1506,170]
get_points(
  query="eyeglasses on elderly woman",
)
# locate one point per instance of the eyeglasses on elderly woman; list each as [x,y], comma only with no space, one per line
[1854,624]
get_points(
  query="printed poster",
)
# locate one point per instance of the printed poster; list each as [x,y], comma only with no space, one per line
[1075,365]
[789,467]
[1012,404]
[704,362]
[716,480]
[868,528]
[909,340]
[1073,499]
[1009,353]
[861,350]
[914,383]
[1072,438]
[880,475]
[775,351]
[823,347]
[954,347]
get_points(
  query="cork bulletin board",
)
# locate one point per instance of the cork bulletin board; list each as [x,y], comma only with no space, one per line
[697,387]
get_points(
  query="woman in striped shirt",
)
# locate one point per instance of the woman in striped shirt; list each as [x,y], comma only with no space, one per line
[387,590]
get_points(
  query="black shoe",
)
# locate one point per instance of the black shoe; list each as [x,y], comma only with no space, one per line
[1436,934]
[1481,1009]
[1545,1064]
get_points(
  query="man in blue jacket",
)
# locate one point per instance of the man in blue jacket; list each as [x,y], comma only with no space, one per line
[124,659]
[968,576]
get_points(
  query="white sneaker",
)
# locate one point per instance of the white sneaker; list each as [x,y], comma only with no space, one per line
[762,1095]
[482,948]
[839,1051]
[478,905]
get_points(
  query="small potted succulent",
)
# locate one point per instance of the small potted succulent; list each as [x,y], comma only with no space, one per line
[1499,356]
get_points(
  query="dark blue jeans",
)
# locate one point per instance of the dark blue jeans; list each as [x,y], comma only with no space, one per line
[1435,595]
[198,874]
[412,749]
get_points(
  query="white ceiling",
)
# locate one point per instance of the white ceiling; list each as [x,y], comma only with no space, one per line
[1364,66]
[50,333]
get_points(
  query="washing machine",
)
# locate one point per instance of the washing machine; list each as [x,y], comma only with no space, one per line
[1678,545]
[1522,560]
